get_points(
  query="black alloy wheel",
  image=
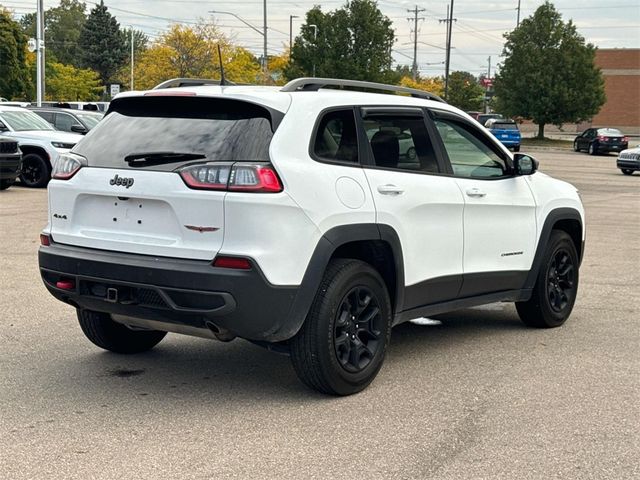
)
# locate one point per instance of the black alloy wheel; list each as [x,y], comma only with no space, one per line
[358,328]
[593,150]
[560,281]
[35,171]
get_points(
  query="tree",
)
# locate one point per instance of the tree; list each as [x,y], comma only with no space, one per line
[549,75]
[102,45]
[14,75]
[351,42]
[63,25]
[465,92]
[433,85]
[68,83]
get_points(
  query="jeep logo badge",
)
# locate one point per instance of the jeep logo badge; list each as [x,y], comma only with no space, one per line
[123,181]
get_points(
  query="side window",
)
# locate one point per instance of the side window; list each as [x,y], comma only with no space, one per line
[401,142]
[469,153]
[336,139]
[48,116]
[64,122]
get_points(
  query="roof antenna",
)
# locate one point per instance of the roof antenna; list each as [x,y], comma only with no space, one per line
[223,81]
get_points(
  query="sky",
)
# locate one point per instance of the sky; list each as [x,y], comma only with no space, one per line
[476,36]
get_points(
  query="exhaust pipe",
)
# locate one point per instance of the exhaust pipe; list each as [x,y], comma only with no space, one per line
[220,333]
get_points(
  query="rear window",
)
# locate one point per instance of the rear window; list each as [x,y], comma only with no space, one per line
[609,131]
[504,126]
[218,129]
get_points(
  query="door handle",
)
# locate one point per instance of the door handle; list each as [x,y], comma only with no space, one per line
[475,192]
[390,190]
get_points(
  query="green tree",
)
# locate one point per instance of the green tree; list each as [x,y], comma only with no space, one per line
[549,75]
[351,42]
[67,83]
[102,45]
[63,25]
[464,91]
[14,74]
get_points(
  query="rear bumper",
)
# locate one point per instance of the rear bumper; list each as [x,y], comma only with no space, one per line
[628,163]
[182,292]
[9,165]
[603,147]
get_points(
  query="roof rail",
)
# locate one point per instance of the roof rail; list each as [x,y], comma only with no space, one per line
[314,84]
[188,82]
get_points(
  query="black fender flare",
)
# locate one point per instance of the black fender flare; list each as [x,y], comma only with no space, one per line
[553,217]
[327,245]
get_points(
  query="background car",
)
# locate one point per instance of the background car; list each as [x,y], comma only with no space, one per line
[10,157]
[483,117]
[600,140]
[629,160]
[506,131]
[40,143]
[69,120]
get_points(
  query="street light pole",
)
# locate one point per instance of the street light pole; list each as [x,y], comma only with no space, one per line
[131,86]
[291,17]
[40,75]
[256,29]
[315,44]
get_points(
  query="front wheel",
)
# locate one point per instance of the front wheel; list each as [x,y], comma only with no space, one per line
[4,184]
[593,150]
[341,346]
[627,171]
[576,148]
[36,171]
[115,337]
[556,285]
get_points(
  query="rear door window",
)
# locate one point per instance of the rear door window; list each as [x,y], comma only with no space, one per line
[216,129]
[336,139]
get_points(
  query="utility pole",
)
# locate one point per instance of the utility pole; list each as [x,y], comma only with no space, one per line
[264,28]
[486,92]
[449,20]
[291,17]
[40,74]
[131,86]
[315,44]
[414,68]
[518,21]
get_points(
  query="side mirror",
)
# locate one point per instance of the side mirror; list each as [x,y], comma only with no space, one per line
[78,129]
[3,127]
[524,164]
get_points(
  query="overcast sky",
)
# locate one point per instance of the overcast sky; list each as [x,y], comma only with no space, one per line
[476,35]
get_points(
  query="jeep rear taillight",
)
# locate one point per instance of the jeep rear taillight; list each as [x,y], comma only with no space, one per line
[232,177]
[67,166]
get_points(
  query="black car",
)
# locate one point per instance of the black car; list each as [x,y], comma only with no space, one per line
[600,140]
[10,160]
[68,119]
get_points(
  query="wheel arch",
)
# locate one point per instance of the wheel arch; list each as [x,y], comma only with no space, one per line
[378,245]
[568,220]
[38,150]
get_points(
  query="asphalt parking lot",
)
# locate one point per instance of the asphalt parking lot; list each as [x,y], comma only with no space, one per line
[477,397]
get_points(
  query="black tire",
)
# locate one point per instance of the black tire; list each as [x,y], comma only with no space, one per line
[4,184]
[554,293]
[321,352]
[411,153]
[36,171]
[516,149]
[115,337]
[576,148]
[593,150]
[627,171]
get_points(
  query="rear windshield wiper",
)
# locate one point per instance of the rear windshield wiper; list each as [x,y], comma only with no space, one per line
[157,158]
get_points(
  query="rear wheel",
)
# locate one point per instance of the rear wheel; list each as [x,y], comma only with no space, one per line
[411,153]
[556,286]
[115,337]
[516,148]
[36,171]
[627,171]
[341,346]
[4,184]
[593,150]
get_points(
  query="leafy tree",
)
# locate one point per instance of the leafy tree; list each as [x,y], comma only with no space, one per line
[13,46]
[102,45]
[548,75]
[465,92]
[63,25]
[352,42]
[68,83]
[433,85]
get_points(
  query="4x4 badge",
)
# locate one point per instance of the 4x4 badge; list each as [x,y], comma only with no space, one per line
[124,181]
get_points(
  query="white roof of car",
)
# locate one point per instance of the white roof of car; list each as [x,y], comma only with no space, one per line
[9,108]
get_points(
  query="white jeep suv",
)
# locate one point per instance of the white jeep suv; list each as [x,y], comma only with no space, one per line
[288,217]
